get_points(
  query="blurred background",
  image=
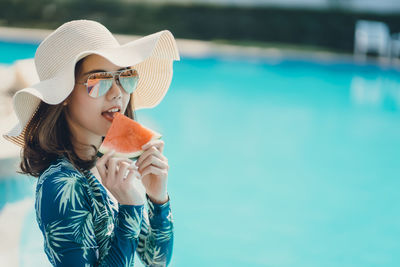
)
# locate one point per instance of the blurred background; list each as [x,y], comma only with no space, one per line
[315,86]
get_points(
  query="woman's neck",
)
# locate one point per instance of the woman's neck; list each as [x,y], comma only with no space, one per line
[83,141]
[85,149]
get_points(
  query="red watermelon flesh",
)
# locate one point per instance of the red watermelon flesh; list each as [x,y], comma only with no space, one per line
[126,137]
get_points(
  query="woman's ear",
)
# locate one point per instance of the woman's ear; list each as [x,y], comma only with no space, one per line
[66,101]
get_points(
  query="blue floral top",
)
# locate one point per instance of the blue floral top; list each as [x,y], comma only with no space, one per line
[82,226]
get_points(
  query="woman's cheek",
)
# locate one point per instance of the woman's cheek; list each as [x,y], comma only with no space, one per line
[125,102]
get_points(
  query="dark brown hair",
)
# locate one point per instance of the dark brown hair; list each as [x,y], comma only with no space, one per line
[48,137]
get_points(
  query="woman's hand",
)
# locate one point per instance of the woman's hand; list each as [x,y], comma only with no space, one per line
[153,167]
[117,176]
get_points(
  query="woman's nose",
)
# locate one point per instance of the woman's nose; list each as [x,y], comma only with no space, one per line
[114,92]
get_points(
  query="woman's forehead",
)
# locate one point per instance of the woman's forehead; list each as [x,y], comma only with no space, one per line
[98,62]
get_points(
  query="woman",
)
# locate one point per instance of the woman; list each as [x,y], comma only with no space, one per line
[92,211]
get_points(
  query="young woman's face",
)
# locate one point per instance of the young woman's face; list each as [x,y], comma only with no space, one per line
[90,117]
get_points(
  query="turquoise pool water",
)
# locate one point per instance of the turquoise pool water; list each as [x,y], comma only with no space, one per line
[278,163]
[17,50]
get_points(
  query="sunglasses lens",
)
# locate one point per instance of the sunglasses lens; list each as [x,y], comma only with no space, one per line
[129,80]
[98,86]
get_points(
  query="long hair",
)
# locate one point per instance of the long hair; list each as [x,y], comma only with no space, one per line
[48,137]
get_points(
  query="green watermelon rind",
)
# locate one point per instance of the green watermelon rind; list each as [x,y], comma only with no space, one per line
[122,155]
[132,156]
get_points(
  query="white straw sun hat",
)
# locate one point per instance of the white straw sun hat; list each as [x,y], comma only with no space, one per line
[152,56]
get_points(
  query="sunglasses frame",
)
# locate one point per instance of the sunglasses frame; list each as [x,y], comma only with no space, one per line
[115,77]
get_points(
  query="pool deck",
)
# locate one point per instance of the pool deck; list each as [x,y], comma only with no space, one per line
[187,48]
[198,48]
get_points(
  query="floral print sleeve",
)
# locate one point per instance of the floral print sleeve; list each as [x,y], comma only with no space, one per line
[156,235]
[65,214]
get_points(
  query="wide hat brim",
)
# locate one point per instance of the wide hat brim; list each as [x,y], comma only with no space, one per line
[152,56]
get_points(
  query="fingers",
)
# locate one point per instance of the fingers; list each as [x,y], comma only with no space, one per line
[154,170]
[122,171]
[152,160]
[101,162]
[157,143]
[133,173]
[116,176]
[130,175]
[155,161]
[150,151]
[114,170]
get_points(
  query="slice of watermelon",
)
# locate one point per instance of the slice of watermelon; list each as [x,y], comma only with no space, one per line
[126,137]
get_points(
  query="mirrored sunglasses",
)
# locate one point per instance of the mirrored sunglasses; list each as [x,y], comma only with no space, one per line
[99,83]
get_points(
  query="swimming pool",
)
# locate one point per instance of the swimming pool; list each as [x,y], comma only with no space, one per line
[277,163]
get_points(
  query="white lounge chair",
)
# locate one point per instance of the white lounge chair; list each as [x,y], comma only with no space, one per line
[371,36]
